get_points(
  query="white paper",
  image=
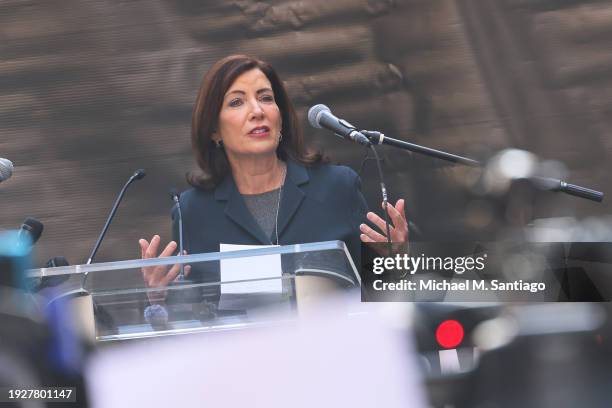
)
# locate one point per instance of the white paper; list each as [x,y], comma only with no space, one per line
[258,267]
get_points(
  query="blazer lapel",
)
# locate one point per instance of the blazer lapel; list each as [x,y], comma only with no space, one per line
[292,195]
[237,210]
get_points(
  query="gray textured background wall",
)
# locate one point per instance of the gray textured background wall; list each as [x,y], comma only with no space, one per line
[90,90]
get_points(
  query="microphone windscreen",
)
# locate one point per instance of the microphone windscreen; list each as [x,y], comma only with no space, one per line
[57,261]
[156,315]
[34,227]
[313,114]
[138,174]
[6,169]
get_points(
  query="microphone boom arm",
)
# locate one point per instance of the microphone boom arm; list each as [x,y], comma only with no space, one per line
[544,183]
[379,138]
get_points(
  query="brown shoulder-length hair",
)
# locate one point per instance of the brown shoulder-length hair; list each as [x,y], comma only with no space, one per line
[212,160]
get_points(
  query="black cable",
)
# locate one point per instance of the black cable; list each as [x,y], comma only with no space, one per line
[383,189]
[363,162]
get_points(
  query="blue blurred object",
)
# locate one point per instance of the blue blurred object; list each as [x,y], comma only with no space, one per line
[64,344]
[65,347]
[14,259]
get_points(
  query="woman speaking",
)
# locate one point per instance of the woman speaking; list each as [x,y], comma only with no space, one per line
[257,183]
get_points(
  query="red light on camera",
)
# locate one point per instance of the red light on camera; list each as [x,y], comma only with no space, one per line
[449,334]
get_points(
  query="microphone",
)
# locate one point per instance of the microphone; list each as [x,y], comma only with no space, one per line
[6,169]
[138,174]
[29,232]
[156,315]
[57,261]
[516,164]
[320,116]
[553,184]
[175,196]
[30,228]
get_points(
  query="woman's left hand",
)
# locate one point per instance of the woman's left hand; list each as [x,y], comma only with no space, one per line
[398,227]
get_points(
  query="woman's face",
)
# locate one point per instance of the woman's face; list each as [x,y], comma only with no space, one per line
[250,120]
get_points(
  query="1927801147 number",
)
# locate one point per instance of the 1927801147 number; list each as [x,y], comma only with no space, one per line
[9,394]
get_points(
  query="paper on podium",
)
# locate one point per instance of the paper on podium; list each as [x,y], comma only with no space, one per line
[267,267]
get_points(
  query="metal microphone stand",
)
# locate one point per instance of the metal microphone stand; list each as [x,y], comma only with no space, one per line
[545,183]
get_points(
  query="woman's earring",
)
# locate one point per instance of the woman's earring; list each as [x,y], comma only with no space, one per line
[218,143]
[280,137]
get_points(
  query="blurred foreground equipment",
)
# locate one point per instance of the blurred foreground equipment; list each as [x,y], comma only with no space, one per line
[38,348]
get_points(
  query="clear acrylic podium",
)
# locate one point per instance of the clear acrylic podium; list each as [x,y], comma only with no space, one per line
[223,291]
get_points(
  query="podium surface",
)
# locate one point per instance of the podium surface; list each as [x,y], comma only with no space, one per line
[229,290]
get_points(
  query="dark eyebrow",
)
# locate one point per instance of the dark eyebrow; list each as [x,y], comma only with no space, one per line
[259,91]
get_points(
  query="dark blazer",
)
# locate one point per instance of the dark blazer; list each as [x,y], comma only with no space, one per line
[319,203]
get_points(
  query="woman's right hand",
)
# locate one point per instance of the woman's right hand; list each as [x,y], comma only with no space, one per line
[159,276]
